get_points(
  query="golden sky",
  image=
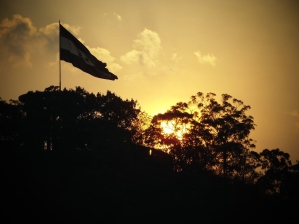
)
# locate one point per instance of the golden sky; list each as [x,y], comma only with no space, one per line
[164,51]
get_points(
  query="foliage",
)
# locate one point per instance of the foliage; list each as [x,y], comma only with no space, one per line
[69,120]
[12,123]
[216,136]
[279,174]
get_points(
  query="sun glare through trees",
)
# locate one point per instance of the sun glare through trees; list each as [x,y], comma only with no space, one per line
[171,128]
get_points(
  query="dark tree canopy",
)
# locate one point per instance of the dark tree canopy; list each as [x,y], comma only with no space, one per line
[278,172]
[69,120]
[217,136]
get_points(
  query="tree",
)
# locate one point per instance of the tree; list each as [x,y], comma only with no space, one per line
[116,119]
[276,165]
[140,125]
[217,136]
[78,120]
[11,123]
[229,128]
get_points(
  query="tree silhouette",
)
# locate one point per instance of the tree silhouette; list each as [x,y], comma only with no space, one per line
[73,120]
[276,165]
[140,125]
[217,138]
[230,128]
[12,122]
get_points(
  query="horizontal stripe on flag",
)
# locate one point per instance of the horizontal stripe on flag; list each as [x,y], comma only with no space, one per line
[68,45]
[73,51]
[80,63]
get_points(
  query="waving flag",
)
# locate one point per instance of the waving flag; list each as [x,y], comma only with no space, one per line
[73,51]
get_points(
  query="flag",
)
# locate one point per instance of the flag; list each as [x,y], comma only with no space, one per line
[73,51]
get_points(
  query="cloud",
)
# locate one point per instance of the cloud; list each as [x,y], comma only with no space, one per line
[51,30]
[146,50]
[118,17]
[20,60]
[20,38]
[175,57]
[105,56]
[295,114]
[205,59]
[17,36]
[173,65]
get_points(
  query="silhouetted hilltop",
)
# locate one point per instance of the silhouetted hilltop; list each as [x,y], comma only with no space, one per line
[86,187]
[74,156]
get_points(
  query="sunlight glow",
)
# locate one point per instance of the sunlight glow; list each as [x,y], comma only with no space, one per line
[169,127]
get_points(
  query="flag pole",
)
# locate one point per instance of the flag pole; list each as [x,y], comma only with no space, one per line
[59,58]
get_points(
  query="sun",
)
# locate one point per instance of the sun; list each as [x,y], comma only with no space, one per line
[169,127]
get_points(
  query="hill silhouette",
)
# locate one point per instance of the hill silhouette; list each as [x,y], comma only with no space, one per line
[75,156]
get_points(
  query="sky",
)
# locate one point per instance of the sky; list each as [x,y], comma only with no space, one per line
[163,52]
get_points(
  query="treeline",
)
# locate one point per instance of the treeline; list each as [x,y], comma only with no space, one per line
[204,162]
[216,139]
[68,120]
